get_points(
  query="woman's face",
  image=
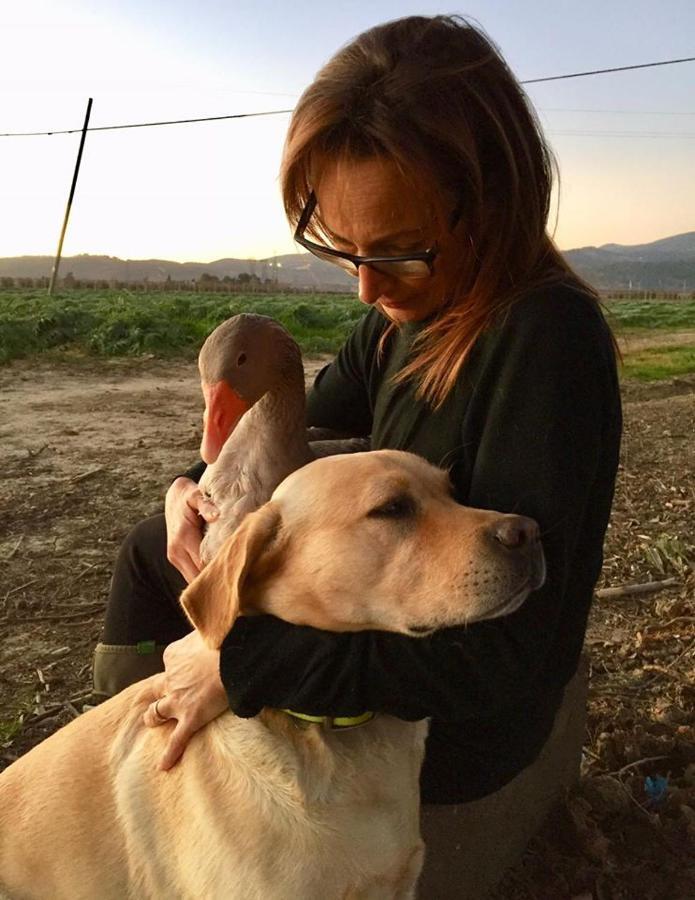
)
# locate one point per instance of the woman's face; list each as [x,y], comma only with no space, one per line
[369,209]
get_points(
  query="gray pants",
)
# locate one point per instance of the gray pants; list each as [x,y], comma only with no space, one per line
[470,846]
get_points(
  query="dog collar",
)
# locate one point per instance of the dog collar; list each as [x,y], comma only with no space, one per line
[331,723]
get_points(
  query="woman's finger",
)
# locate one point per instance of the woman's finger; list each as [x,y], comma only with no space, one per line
[192,548]
[192,568]
[207,510]
[187,563]
[158,687]
[156,713]
[178,740]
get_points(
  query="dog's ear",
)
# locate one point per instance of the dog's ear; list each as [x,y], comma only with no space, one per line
[215,598]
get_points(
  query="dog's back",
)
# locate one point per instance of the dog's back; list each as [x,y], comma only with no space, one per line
[258,808]
[58,817]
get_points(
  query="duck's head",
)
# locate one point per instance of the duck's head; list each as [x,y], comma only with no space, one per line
[241,360]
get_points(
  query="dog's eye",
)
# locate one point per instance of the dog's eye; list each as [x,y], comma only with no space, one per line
[241,359]
[402,507]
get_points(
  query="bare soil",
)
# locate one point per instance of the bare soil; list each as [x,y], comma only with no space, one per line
[88,449]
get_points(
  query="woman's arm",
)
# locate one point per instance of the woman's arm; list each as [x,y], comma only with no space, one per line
[540,437]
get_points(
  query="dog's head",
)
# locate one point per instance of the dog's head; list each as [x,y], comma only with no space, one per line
[368,541]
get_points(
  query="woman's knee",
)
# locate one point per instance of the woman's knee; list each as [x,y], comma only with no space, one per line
[143,602]
[145,542]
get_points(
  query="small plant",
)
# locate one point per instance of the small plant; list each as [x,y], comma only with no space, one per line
[10,728]
[669,552]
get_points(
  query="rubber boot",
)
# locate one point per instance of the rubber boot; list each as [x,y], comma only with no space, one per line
[116,666]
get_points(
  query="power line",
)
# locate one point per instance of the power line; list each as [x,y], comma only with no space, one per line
[612,112]
[630,134]
[274,112]
[277,112]
[665,62]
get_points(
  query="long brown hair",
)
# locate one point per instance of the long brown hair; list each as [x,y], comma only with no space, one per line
[434,97]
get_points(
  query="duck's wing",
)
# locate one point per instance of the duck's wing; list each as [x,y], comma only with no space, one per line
[246,493]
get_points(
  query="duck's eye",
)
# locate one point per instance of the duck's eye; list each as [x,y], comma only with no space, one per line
[401,507]
[241,359]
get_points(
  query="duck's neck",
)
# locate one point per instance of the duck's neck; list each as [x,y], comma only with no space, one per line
[270,438]
[281,411]
[277,421]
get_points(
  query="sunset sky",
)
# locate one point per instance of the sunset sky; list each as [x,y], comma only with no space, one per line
[625,142]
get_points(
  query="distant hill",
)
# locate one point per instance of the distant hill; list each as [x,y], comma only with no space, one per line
[298,270]
[667,264]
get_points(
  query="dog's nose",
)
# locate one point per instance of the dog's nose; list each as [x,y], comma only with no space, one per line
[516,532]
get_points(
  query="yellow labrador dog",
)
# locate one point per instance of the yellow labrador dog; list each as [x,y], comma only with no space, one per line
[260,809]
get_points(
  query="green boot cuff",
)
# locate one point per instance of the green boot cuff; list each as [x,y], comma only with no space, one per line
[116,666]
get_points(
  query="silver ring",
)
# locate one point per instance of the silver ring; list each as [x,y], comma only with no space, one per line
[157,712]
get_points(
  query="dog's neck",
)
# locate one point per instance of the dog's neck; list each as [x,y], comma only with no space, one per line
[332,723]
[352,761]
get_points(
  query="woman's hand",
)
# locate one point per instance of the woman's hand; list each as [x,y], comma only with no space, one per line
[190,691]
[185,509]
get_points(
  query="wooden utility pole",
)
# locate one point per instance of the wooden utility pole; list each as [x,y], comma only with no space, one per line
[56,264]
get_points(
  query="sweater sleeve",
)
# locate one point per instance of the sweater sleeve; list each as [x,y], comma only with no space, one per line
[541,436]
[548,435]
[194,472]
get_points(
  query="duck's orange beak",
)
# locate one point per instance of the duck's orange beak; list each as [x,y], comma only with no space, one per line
[223,409]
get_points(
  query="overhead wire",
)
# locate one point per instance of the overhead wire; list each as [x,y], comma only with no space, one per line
[665,62]
[630,134]
[627,112]
[277,112]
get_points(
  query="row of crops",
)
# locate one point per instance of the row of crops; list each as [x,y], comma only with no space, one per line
[120,323]
[112,323]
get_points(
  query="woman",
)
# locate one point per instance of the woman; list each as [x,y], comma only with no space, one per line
[415,162]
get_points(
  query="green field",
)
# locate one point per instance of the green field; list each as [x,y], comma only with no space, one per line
[121,323]
[653,318]
[174,324]
[657,363]
[650,315]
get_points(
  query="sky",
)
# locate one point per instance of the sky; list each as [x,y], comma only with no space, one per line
[625,142]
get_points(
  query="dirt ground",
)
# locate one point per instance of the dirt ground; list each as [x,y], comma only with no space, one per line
[87,450]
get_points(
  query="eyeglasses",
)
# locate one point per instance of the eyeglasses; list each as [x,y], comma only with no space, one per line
[412,265]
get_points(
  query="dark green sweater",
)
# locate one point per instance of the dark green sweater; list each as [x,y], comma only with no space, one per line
[532,427]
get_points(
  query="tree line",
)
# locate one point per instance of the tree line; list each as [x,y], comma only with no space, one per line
[247,282]
[244,282]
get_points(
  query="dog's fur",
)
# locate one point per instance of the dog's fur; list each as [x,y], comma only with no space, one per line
[262,809]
